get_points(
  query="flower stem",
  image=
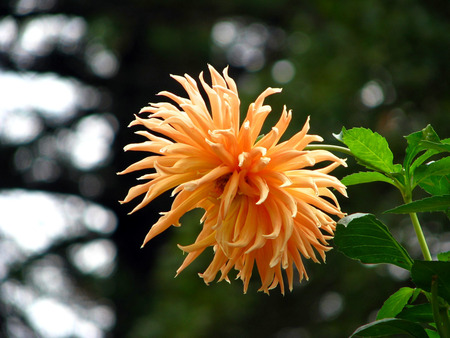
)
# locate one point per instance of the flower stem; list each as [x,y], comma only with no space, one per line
[440,315]
[407,198]
[445,320]
[329,147]
[420,236]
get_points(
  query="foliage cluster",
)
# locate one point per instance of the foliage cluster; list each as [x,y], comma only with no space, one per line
[422,310]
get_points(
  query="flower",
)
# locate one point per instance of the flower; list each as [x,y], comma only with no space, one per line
[263,203]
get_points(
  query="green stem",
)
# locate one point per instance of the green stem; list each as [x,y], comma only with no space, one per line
[445,320]
[437,311]
[420,236]
[329,147]
[407,198]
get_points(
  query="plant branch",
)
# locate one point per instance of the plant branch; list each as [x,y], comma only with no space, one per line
[445,319]
[437,313]
[420,236]
[329,147]
[407,198]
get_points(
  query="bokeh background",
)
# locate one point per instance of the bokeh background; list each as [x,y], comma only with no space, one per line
[73,73]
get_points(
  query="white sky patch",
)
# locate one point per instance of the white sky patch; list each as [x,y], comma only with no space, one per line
[19,127]
[35,220]
[102,61]
[60,323]
[8,32]
[103,316]
[224,33]
[283,71]
[372,94]
[53,96]
[244,45]
[54,319]
[397,273]
[331,305]
[99,219]
[54,305]
[10,254]
[40,35]
[29,97]
[47,297]
[88,145]
[28,6]
[96,257]
[49,276]
[12,292]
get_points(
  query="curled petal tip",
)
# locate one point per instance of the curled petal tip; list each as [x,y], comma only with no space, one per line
[260,201]
[275,90]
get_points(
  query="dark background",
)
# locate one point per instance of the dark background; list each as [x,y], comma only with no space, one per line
[73,73]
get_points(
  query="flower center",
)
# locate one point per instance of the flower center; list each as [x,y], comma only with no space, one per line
[219,184]
[254,160]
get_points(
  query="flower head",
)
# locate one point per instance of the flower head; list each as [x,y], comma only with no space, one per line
[263,202]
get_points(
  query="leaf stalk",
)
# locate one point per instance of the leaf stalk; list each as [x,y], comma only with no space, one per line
[329,147]
[420,236]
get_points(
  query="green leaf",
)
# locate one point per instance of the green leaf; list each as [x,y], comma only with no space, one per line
[370,149]
[398,168]
[436,185]
[423,272]
[365,238]
[444,256]
[428,204]
[436,168]
[365,177]
[390,327]
[439,146]
[416,145]
[339,136]
[433,148]
[422,313]
[395,303]
[422,158]
[417,292]
[432,333]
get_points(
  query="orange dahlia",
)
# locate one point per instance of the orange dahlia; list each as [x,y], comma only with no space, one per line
[263,202]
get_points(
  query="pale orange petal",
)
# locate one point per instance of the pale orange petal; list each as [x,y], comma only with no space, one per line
[265,203]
